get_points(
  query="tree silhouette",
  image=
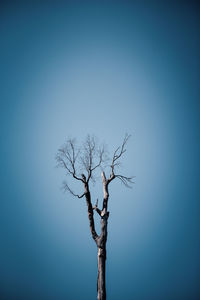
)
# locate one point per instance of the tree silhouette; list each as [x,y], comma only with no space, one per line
[81,164]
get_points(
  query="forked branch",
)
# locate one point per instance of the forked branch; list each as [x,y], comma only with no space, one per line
[115,162]
[92,157]
[127,181]
[96,208]
[67,188]
[67,157]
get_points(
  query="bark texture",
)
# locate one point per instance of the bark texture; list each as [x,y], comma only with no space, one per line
[101,244]
[90,212]
[101,258]
[101,280]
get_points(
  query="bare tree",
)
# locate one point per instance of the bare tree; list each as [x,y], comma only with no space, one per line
[81,164]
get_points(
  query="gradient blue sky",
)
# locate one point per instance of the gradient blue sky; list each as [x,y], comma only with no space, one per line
[102,67]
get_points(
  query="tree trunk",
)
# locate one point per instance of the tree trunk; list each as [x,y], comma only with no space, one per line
[101,282]
[102,239]
[101,257]
[101,244]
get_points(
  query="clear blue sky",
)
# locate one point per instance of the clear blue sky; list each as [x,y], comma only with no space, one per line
[105,68]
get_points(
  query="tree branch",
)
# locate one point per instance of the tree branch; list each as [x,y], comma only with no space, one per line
[67,188]
[117,154]
[90,213]
[100,153]
[66,158]
[96,208]
[125,180]
[92,157]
